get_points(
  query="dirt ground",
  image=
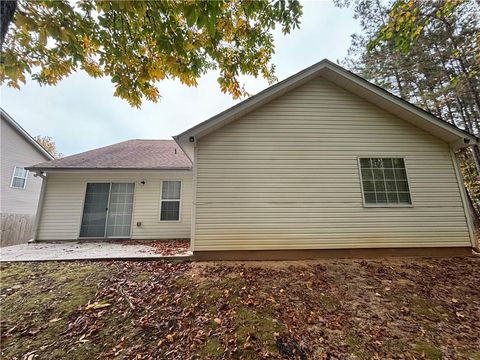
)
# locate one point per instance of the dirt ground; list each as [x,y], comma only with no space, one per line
[329,309]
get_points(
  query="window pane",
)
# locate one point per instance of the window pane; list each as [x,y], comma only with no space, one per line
[400,174]
[370,198]
[171,190]
[398,163]
[367,174]
[19,177]
[120,209]
[365,163]
[170,210]
[404,198]
[368,186]
[377,163]
[391,186]
[402,186]
[392,197]
[378,174]
[20,172]
[389,175]
[389,179]
[379,186]
[387,163]
[18,182]
[381,197]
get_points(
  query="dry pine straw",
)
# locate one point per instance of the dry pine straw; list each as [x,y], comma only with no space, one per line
[330,309]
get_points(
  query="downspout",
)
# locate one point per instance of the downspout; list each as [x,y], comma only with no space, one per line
[194,198]
[40,204]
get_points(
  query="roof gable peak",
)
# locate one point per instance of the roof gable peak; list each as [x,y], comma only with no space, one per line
[351,82]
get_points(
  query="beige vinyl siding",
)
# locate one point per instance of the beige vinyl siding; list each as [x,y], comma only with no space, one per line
[16,151]
[65,192]
[286,176]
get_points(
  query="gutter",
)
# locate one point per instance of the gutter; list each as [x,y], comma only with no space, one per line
[43,169]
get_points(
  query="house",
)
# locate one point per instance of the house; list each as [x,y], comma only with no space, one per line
[322,163]
[20,189]
[139,189]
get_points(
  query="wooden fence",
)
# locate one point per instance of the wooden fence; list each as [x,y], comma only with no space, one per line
[16,228]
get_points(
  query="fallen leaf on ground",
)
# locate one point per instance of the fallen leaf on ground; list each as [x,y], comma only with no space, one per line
[96,306]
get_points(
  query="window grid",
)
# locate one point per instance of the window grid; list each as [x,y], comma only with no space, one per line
[386,186]
[170,200]
[19,177]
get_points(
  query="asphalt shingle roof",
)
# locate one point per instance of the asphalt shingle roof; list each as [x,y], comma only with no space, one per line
[131,154]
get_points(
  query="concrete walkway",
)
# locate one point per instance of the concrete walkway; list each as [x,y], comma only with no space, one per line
[82,251]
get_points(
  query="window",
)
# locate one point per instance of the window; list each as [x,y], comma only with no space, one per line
[384,181]
[170,203]
[19,178]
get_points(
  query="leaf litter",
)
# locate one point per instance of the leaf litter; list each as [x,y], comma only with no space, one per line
[329,309]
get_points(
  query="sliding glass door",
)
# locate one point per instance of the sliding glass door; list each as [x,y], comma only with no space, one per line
[107,211]
[120,210]
[95,210]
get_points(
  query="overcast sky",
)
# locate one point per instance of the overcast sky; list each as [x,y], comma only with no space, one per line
[81,113]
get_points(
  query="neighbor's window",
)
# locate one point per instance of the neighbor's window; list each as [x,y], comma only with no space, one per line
[170,204]
[384,181]
[19,178]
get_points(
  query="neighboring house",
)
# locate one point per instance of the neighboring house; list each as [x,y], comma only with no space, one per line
[323,162]
[20,189]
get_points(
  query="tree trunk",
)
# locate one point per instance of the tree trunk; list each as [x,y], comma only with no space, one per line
[7,11]
[476,157]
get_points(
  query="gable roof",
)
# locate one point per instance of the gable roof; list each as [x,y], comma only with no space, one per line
[130,154]
[22,132]
[350,82]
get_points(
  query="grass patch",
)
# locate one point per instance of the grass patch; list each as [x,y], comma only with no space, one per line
[330,304]
[249,323]
[44,297]
[142,276]
[428,351]
[212,349]
[356,345]
[426,308]
[474,355]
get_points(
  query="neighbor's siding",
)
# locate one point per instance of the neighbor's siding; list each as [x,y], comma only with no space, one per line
[17,206]
[63,204]
[16,151]
[286,177]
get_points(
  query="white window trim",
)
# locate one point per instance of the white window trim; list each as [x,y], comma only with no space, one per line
[13,177]
[365,205]
[179,201]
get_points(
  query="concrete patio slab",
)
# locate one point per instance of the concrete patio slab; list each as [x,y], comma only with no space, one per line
[84,251]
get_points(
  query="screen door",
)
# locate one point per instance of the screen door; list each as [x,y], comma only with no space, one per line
[107,211]
[119,217]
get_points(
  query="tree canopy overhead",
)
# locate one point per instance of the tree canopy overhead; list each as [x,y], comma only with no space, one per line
[138,43]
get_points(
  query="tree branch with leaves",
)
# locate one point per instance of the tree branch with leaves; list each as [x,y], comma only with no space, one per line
[140,43]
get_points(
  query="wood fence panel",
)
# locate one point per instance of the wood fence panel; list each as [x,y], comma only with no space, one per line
[16,228]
